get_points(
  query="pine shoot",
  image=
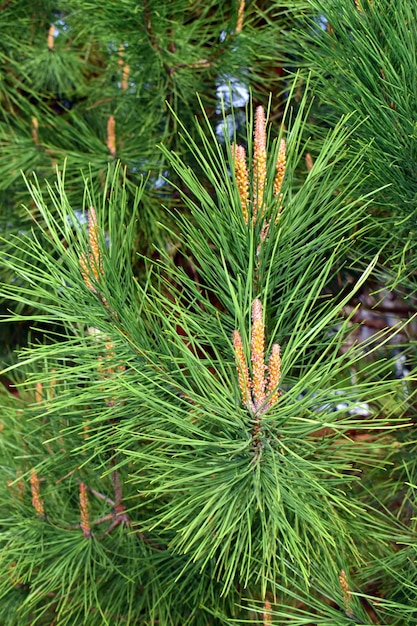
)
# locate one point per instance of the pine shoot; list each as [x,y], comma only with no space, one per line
[85,520]
[37,501]
[242,178]
[259,160]
[257,354]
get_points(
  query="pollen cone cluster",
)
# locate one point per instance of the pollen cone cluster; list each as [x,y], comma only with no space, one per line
[257,203]
[260,391]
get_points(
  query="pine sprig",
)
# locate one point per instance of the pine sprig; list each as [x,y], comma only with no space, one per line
[144,467]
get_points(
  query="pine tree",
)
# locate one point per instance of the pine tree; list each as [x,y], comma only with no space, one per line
[194,431]
[189,448]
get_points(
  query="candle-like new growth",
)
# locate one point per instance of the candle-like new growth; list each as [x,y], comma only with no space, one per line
[35,126]
[38,392]
[259,160]
[347,596]
[242,177]
[111,135]
[125,77]
[242,368]
[257,354]
[51,36]
[93,232]
[91,264]
[267,616]
[239,23]
[125,69]
[280,168]
[274,374]
[35,489]
[85,521]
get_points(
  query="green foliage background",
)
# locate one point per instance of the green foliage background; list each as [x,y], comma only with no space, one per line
[137,487]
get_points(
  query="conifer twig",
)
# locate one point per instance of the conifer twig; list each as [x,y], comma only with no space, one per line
[101,496]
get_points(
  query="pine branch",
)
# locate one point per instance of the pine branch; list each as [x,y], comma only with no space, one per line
[195,438]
